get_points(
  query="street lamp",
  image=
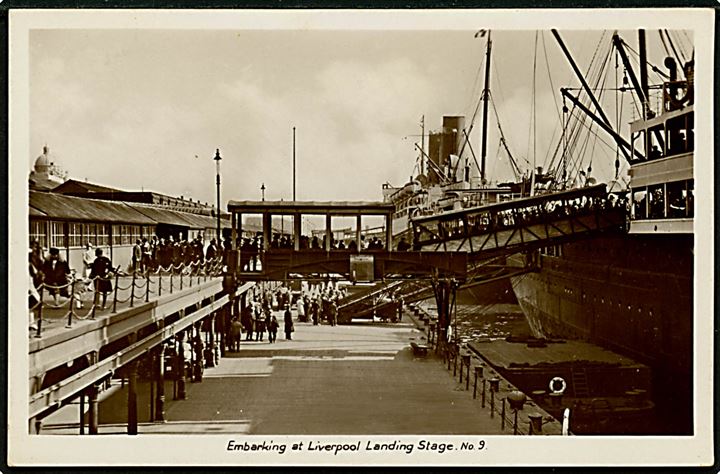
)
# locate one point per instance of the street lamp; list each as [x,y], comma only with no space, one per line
[262,189]
[217,169]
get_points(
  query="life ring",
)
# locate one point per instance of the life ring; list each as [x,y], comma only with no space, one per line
[554,382]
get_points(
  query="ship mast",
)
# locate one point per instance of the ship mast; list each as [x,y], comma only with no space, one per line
[486,98]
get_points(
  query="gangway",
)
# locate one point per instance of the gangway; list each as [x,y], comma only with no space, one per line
[521,225]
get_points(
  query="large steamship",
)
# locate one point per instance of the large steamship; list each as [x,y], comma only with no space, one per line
[631,293]
[634,293]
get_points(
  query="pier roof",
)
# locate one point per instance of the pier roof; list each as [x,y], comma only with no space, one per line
[313,207]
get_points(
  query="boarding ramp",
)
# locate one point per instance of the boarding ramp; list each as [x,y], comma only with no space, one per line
[522,225]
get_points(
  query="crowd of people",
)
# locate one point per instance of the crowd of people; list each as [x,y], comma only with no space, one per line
[267,309]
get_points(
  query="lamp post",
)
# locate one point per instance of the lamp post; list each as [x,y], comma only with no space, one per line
[262,190]
[217,181]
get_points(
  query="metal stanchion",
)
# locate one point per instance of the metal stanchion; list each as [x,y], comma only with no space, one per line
[171,285]
[40,306]
[492,402]
[160,282]
[72,302]
[483,394]
[502,423]
[466,362]
[96,294]
[116,293]
[475,383]
[147,286]
[132,291]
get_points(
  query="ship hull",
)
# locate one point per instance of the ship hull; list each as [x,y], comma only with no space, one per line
[631,294]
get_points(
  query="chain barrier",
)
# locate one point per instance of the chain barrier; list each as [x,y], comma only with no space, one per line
[79,286]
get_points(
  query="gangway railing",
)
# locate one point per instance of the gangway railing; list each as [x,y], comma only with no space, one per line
[524,224]
[84,299]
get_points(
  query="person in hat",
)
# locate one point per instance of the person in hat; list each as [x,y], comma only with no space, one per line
[288,324]
[100,271]
[57,274]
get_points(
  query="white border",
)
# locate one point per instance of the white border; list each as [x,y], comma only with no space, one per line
[209,450]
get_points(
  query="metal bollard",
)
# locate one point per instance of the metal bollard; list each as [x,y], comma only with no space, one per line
[535,423]
[494,384]
[72,302]
[515,424]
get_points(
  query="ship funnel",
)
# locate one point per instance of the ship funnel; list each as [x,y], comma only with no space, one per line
[451,142]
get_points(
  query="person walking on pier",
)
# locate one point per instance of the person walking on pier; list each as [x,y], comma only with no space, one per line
[100,270]
[260,326]
[273,329]
[288,324]
[246,318]
[314,310]
[235,334]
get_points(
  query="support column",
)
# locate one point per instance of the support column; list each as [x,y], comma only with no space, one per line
[297,230]
[132,427]
[267,231]
[82,413]
[160,382]
[358,232]
[233,233]
[328,232]
[221,321]
[198,354]
[93,409]
[442,298]
[181,393]
[210,352]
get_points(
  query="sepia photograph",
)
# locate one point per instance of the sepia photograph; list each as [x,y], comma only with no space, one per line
[418,237]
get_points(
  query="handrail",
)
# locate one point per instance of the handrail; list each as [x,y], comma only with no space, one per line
[140,280]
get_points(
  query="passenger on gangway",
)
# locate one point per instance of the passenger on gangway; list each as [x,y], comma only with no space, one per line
[272,329]
[57,275]
[88,259]
[100,271]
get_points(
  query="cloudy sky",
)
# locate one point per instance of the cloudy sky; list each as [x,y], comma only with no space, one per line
[146,109]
